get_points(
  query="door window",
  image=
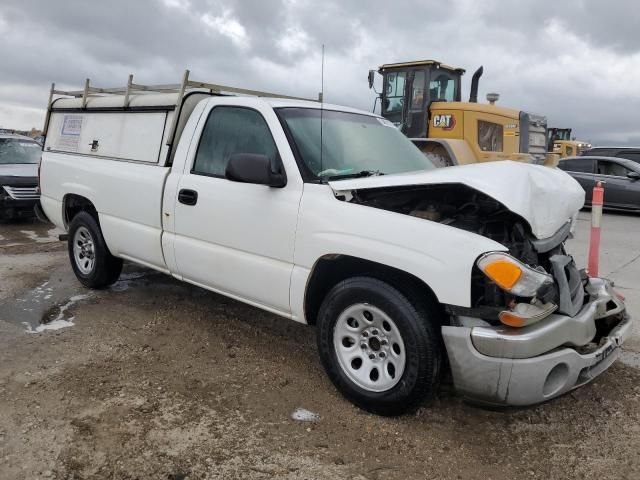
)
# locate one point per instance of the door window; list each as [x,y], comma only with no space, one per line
[395,92]
[577,165]
[417,92]
[489,136]
[611,168]
[231,130]
[442,87]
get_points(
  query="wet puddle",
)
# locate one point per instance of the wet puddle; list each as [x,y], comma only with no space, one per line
[129,279]
[49,306]
[50,235]
[26,233]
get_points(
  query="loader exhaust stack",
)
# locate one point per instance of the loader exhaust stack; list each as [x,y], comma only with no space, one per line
[473,95]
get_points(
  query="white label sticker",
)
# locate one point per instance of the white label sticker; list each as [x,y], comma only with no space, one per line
[70,133]
[72,125]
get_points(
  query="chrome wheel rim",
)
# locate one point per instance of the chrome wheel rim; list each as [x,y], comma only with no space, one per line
[84,250]
[369,347]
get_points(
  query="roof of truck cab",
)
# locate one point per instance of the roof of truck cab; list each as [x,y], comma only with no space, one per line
[169,100]
[286,103]
[418,63]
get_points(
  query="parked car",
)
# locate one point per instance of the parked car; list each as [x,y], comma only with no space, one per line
[631,153]
[19,160]
[619,176]
[404,269]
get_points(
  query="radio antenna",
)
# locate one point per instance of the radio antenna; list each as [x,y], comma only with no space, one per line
[321,104]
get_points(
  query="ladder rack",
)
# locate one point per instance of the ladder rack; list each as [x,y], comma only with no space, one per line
[179,88]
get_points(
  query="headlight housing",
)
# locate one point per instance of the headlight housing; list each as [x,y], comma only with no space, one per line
[512,275]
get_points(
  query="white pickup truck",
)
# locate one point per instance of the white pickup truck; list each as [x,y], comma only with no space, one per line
[330,216]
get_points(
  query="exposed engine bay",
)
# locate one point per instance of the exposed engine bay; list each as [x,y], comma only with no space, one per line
[463,207]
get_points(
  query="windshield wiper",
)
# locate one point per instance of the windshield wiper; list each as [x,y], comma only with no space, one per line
[361,174]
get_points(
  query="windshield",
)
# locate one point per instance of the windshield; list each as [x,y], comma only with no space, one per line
[15,150]
[352,144]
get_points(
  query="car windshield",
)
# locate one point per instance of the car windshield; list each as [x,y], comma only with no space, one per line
[352,144]
[15,150]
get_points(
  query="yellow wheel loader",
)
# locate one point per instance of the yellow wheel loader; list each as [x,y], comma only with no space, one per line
[423,99]
[559,141]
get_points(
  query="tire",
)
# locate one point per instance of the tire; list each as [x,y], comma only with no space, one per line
[90,258]
[412,327]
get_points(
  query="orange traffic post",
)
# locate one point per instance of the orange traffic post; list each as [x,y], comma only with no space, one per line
[596,218]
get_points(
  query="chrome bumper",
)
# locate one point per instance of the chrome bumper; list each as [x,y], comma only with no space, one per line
[511,366]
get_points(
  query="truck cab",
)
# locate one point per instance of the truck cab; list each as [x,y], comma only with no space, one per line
[424,100]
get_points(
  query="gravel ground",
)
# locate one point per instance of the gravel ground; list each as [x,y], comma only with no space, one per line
[154,379]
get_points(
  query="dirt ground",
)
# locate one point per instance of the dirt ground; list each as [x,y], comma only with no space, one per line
[155,379]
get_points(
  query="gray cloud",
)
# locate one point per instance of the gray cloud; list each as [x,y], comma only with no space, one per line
[575,61]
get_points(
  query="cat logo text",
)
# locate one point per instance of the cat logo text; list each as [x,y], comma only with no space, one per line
[445,122]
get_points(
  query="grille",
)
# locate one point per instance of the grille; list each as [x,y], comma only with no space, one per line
[533,135]
[537,135]
[23,193]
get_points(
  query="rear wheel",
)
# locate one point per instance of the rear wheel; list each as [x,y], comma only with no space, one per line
[379,349]
[91,260]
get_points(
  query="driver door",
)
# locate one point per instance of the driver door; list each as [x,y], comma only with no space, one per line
[237,238]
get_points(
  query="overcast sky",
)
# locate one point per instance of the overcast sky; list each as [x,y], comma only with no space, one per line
[576,61]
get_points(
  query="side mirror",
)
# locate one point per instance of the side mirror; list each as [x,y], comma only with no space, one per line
[633,175]
[253,168]
[372,76]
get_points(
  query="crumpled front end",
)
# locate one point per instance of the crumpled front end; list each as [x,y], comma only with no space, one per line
[535,326]
[508,366]
[571,330]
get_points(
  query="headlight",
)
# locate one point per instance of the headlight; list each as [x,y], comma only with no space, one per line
[512,275]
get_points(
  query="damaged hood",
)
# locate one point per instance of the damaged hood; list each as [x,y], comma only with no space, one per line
[545,197]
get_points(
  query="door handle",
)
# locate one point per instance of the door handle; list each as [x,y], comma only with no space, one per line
[188,197]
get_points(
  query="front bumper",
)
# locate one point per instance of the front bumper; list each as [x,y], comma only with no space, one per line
[17,208]
[525,366]
[18,200]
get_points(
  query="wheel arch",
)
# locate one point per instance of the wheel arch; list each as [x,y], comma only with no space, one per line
[331,269]
[72,204]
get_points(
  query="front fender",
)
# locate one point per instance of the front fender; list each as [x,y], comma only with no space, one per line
[439,255]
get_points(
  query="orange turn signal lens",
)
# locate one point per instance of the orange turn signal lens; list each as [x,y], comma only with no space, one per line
[511,320]
[504,273]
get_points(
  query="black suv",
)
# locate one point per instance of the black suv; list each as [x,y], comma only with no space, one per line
[631,153]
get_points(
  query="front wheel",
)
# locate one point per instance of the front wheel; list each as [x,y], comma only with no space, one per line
[91,260]
[379,349]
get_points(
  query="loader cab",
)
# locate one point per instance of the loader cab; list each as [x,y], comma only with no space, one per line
[408,89]
[560,141]
[555,134]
